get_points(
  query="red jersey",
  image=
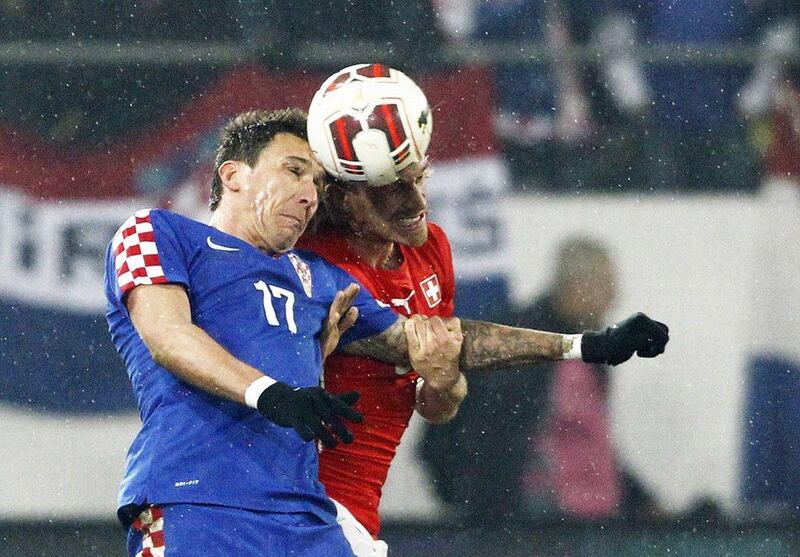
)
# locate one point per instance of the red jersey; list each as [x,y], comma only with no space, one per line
[424,284]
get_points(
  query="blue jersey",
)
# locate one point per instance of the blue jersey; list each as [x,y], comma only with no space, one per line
[195,447]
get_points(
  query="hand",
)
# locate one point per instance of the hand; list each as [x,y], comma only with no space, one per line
[341,317]
[638,333]
[434,348]
[311,411]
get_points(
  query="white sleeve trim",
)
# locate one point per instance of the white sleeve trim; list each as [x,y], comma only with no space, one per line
[574,353]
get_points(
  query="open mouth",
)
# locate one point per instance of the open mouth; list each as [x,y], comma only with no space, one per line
[411,222]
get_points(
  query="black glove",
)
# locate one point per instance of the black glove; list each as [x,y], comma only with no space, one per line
[311,411]
[638,333]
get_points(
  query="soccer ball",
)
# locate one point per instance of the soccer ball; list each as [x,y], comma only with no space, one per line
[367,123]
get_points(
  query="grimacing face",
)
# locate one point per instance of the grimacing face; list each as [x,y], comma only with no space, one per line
[281,192]
[397,212]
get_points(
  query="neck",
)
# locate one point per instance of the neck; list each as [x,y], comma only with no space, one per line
[221,220]
[227,222]
[378,254]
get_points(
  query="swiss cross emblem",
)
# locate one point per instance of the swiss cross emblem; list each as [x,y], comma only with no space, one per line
[431,290]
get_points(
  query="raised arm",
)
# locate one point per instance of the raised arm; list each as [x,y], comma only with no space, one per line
[390,346]
[486,346]
[489,346]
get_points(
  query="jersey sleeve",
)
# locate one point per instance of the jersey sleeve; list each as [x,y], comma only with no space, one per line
[373,318]
[146,250]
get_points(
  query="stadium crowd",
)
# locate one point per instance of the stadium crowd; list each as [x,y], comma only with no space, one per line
[622,96]
[616,97]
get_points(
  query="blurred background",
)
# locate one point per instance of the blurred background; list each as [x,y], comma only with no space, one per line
[591,159]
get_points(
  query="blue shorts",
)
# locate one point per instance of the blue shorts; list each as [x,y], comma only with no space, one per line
[212,531]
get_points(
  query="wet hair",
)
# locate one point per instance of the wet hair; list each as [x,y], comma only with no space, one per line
[333,212]
[246,135]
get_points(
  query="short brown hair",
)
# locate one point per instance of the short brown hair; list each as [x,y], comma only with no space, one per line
[247,134]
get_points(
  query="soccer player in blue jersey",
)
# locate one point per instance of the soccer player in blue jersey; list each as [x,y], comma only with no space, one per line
[221,328]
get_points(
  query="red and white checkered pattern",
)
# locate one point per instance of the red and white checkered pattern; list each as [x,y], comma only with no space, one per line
[136,254]
[150,523]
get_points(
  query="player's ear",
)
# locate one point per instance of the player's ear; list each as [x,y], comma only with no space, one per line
[230,174]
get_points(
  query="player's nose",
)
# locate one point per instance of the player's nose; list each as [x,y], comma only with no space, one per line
[307,194]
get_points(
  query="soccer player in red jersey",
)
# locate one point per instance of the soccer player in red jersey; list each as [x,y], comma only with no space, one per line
[380,235]
[386,242]
[405,262]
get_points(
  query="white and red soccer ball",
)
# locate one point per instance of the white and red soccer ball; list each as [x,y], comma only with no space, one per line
[368,122]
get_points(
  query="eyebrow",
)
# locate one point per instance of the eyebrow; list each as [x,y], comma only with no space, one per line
[300,160]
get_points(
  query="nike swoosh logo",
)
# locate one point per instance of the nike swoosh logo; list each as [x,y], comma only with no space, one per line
[218,247]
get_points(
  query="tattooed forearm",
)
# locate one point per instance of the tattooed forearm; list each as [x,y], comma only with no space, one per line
[486,346]
[489,346]
[390,346]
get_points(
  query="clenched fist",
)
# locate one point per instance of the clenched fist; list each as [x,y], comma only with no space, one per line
[637,334]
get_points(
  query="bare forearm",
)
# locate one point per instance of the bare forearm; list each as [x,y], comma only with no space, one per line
[389,346]
[489,346]
[486,346]
[193,356]
[440,406]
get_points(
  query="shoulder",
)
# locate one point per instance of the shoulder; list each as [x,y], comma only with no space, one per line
[139,223]
[329,245]
[438,242]
[175,220]
[143,217]
[435,231]
[149,232]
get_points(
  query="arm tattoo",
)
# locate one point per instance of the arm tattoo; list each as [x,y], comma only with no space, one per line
[390,346]
[486,347]
[489,346]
